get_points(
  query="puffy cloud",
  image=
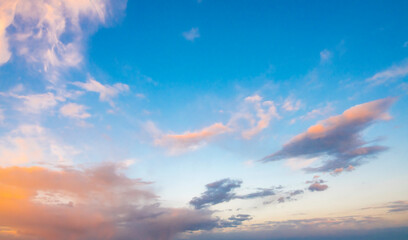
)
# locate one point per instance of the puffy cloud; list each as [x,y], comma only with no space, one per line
[223,191]
[94,203]
[106,92]
[394,72]
[317,184]
[33,144]
[338,137]
[74,110]
[50,31]
[192,34]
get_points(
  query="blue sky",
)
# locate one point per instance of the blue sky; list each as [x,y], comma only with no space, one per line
[203,119]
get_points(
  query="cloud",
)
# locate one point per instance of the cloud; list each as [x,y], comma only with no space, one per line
[325,55]
[217,192]
[405,44]
[223,191]
[291,104]
[317,184]
[394,72]
[392,207]
[265,111]
[177,143]
[192,34]
[74,110]
[339,228]
[51,32]
[33,144]
[338,137]
[317,112]
[106,92]
[96,203]
[37,103]
[254,116]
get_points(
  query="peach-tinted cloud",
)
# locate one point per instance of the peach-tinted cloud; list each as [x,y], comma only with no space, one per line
[74,110]
[250,121]
[338,136]
[291,104]
[94,203]
[30,144]
[177,143]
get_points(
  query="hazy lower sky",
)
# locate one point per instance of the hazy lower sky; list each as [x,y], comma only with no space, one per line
[208,119]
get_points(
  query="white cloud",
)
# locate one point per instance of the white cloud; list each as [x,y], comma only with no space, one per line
[49,31]
[36,103]
[192,34]
[394,72]
[74,110]
[325,55]
[106,92]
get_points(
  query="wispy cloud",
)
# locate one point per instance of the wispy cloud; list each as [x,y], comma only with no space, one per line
[339,137]
[106,92]
[290,104]
[192,34]
[39,28]
[396,71]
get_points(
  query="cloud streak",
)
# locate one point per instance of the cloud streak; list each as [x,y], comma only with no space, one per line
[338,137]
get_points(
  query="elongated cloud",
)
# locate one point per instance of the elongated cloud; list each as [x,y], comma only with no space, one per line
[48,31]
[177,143]
[106,92]
[94,203]
[338,137]
[394,72]
[223,191]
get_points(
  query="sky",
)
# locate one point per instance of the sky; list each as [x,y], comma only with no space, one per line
[203,119]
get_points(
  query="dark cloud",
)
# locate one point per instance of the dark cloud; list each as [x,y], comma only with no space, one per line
[223,191]
[337,228]
[393,207]
[217,192]
[317,184]
[338,137]
[235,221]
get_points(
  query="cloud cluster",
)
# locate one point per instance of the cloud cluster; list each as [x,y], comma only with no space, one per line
[95,203]
[255,116]
[317,184]
[223,191]
[50,32]
[338,137]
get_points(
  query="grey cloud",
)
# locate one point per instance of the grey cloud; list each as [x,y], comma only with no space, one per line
[338,137]
[223,191]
